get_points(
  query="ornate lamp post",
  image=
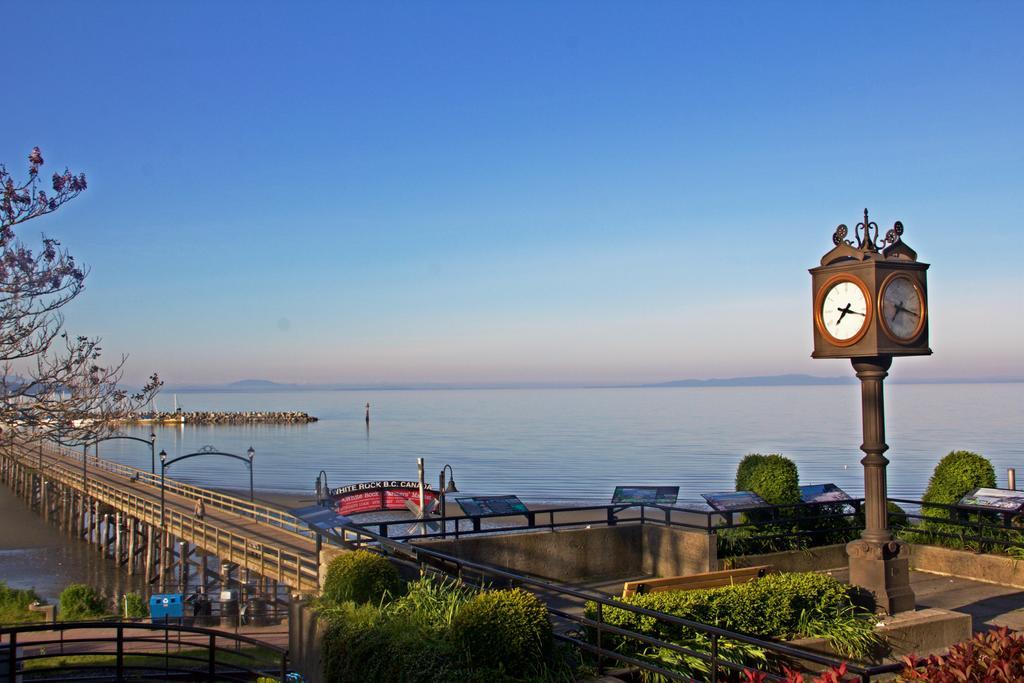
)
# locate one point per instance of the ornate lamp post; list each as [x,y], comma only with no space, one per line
[870,305]
[443,489]
[251,453]
[163,466]
[151,441]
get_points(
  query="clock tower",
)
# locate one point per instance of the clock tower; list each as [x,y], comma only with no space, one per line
[870,304]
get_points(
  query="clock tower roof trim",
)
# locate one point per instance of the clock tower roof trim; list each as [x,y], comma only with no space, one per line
[867,246]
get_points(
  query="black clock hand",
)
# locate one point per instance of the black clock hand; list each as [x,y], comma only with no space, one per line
[843,312]
[901,309]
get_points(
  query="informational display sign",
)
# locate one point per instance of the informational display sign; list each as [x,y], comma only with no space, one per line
[994,500]
[320,517]
[734,500]
[374,496]
[645,495]
[492,505]
[823,493]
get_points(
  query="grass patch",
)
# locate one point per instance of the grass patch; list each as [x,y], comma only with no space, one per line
[248,657]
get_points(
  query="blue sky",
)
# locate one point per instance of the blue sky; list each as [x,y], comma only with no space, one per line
[479,192]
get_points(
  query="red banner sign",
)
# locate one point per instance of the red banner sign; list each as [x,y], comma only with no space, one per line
[377,496]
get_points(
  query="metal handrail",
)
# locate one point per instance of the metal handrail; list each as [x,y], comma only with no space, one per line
[266,514]
[284,562]
[207,640]
[709,521]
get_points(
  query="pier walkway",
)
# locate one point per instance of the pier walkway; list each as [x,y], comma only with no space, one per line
[118,508]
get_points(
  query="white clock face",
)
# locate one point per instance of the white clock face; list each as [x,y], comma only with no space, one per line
[902,308]
[844,310]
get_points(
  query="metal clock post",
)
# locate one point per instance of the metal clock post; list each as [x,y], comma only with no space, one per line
[869,306]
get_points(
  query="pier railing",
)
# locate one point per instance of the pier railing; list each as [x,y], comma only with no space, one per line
[122,650]
[265,514]
[275,560]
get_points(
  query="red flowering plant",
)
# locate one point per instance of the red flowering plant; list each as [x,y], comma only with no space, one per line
[836,674]
[995,656]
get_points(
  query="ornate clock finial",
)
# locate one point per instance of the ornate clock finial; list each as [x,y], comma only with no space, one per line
[867,243]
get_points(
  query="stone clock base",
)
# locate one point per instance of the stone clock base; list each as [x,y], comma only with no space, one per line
[883,569]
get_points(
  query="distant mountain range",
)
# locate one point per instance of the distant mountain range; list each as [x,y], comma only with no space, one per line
[764,381]
[263,385]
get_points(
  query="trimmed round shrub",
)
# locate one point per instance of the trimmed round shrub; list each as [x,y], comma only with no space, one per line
[958,474]
[773,477]
[745,469]
[361,576]
[79,602]
[505,630]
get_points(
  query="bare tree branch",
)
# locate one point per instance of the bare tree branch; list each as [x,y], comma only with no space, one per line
[52,384]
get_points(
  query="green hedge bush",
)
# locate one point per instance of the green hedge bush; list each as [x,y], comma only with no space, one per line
[958,474]
[133,606]
[504,630]
[745,470]
[14,604]
[441,631]
[776,480]
[781,606]
[79,602]
[361,576]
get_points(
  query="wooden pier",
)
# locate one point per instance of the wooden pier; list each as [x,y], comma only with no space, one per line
[117,508]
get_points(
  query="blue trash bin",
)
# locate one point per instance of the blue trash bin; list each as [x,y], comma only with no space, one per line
[166,606]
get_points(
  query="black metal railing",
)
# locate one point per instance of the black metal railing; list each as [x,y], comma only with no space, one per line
[763,529]
[122,650]
[960,527]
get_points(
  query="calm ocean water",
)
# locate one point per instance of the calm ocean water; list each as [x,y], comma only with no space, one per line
[578,444]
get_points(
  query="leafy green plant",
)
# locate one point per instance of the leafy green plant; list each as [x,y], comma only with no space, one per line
[956,475]
[133,606]
[897,516]
[995,656]
[423,636]
[745,470]
[781,606]
[362,643]
[502,630]
[430,600]
[360,576]
[14,604]
[79,602]
[773,477]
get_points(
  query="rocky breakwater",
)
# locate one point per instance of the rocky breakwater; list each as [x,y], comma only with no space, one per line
[219,417]
[215,417]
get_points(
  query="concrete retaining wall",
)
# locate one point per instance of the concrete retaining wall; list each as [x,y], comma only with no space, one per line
[818,559]
[670,551]
[998,569]
[625,550]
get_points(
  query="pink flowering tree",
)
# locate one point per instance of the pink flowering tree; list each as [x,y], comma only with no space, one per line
[52,384]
